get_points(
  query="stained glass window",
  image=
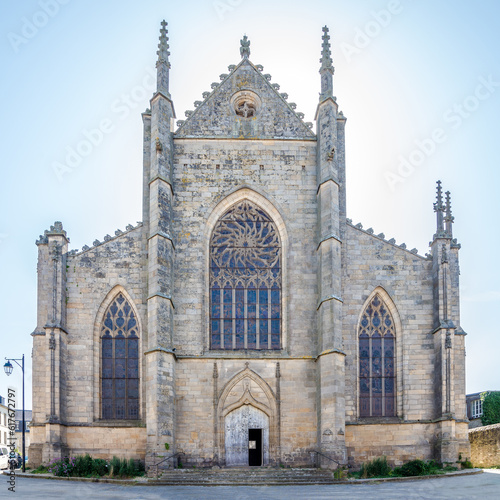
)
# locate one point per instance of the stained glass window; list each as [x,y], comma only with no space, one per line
[377,379]
[119,362]
[245,280]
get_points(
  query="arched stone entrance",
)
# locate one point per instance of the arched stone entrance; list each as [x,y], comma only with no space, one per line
[246,436]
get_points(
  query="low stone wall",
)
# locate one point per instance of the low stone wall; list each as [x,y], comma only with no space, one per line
[485,445]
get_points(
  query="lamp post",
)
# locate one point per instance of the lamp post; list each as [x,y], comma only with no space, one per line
[8,370]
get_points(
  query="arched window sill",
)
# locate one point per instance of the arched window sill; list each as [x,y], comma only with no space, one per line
[376,420]
[245,353]
[119,423]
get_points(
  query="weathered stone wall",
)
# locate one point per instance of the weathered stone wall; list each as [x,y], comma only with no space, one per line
[485,446]
[280,177]
[272,117]
[106,442]
[404,282]
[94,278]
[203,401]
[399,442]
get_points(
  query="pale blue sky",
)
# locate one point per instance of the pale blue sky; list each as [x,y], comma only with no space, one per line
[403,69]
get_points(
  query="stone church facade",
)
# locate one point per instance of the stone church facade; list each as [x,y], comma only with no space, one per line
[246,320]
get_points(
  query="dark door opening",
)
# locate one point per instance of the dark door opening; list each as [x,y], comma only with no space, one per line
[255,447]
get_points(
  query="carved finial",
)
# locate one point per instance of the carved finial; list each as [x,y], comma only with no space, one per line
[163,64]
[326,54]
[163,46]
[245,47]
[327,69]
[448,217]
[439,209]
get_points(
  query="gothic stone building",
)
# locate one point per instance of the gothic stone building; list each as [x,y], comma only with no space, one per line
[246,320]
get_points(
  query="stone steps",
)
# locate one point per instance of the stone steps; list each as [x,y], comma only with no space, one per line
[253,476]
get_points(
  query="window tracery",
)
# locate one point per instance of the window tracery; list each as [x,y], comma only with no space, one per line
[119,362]
[377,379]
[245,280]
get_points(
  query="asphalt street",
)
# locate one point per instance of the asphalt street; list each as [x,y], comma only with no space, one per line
[486,485]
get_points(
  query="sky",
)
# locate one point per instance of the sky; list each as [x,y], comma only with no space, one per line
[419,83]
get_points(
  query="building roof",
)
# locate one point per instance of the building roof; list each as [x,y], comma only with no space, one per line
[27,415]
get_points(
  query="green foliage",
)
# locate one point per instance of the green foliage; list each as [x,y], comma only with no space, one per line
[339,473]
[80,466]
[167,446]
[466,464]
[41,469]
[115,466]
[491,408]
[378,467]
[417,468]
[126,468]
[123,471]
[83,465]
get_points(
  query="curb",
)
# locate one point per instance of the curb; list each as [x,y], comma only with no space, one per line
[158,482]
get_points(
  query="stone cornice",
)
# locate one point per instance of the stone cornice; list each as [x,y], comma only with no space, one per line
[159,177]
[330,351]
[324,181]
[163,235]
[328,298]
[329,237]
[55,326]
[161,349]
[163,296]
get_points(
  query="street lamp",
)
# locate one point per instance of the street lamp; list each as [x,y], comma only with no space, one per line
[8,367]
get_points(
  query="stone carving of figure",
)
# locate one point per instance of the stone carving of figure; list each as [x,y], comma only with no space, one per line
[245,47]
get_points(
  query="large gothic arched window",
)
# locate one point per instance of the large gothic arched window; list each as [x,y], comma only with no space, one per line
[245,280]
[377,343]
[119,362]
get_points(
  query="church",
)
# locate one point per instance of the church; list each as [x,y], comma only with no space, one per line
[246,321]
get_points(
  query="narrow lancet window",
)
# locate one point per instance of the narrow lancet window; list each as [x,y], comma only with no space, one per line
[377,379]
[119,362]
[245,280]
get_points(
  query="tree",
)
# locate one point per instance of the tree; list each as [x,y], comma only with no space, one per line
[491,408]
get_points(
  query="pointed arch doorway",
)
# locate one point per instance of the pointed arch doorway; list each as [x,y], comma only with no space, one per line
[246,437]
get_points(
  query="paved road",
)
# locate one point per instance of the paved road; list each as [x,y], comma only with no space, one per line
[486,485]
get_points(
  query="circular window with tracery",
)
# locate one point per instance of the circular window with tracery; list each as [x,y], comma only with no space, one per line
[246,103]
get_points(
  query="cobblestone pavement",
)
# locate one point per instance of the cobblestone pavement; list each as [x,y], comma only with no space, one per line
[486,485]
